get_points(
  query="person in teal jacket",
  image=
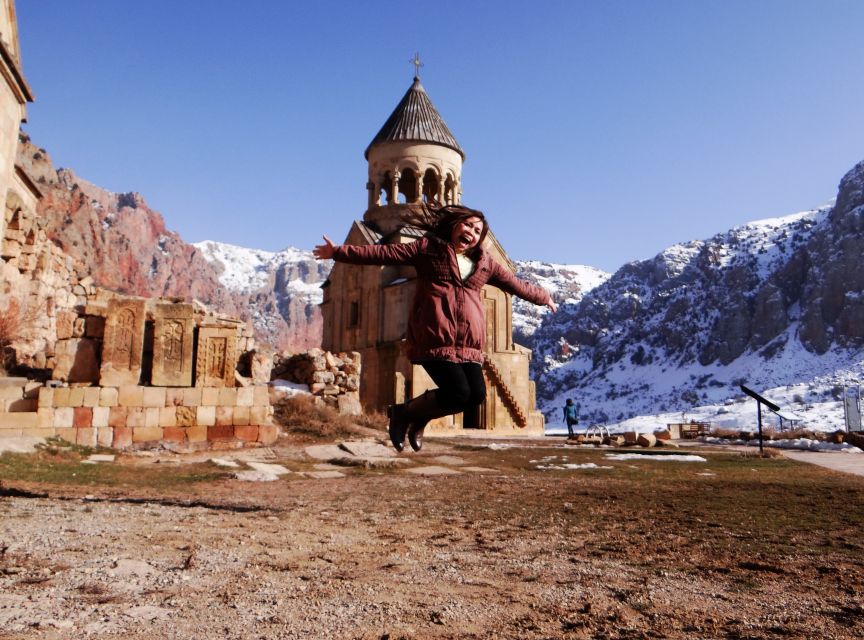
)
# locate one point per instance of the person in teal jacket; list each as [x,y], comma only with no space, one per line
[571,415]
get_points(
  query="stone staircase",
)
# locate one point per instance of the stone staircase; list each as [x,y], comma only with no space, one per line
[507,397]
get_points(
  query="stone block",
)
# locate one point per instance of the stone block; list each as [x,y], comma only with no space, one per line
[260,395]
[65,324]
[209,396]
[349,404]
[82,417]
[122,437]
[173,345]
[168,417]
[154,396]
[66,433]
[91,396]
[64,417]
[259,415]
[45,418]
[174,397]
[227,396]
[40,432]
[196,434]
[19,421]
[146,434]
[241,416]
[61,396]
[86,437]
[100,416]
[109,397]
[117,416]
[105,436]
[135,417]
[76,396]
[192,397]
[186,416]
[205,416]
[216,359]
[224,415]
[174,434]
[246,433]
[220,432]
[11,392]
[130,396]
[123,345]
[46,397]
[246,397]
[151,416]
[78,328]
[268,434]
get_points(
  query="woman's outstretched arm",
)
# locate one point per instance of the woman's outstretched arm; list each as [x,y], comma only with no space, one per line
[381,254]
[506,281]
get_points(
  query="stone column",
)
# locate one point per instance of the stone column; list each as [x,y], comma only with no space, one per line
[419,188]
[373,194]
[394,187]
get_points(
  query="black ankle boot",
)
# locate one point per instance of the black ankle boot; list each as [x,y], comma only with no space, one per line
[398,426]
[415,435]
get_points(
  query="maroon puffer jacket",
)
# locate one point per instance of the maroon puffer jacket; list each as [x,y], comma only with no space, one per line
[447,316]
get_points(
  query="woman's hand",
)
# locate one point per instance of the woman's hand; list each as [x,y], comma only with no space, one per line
[324,251]
[551,304]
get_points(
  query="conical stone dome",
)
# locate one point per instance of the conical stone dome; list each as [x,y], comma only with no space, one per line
[415,119]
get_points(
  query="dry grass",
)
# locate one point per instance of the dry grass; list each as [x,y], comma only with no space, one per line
[302,416]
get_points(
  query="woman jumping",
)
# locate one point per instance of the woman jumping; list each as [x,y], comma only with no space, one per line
[447,325]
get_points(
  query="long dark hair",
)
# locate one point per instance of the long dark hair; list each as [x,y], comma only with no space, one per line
[439,221]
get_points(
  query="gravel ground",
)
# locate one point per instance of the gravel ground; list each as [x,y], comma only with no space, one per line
[509,553]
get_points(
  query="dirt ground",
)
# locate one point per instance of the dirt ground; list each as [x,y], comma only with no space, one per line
[510,544]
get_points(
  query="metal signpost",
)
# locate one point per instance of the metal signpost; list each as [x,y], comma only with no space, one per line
[760,400]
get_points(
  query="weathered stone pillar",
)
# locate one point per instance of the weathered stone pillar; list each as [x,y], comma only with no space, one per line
[373,194]
[394,187]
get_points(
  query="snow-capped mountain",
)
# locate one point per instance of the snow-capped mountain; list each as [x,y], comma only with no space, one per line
[567,283]
[769,304]
[283,289]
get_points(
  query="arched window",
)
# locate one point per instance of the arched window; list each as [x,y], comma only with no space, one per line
[430,186]
[408,186]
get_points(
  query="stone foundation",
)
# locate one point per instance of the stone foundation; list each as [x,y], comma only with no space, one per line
[137,417]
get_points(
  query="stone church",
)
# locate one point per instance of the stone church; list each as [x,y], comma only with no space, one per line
[413,159]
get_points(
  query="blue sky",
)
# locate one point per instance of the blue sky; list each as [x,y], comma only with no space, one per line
[596,132]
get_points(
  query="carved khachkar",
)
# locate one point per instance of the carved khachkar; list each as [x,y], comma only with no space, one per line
[172,345]
[217,357]
[123,345]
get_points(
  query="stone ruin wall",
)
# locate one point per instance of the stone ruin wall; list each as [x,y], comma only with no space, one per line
[333,378]
[98,368]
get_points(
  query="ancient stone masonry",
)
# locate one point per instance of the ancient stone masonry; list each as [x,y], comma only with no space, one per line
[124,378]
[333,378]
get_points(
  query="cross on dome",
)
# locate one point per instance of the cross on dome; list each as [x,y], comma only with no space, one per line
[417,64]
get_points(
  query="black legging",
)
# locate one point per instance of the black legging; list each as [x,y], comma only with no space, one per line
[460,384]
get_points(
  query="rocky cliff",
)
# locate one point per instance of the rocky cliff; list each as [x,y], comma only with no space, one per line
[125,246]
[772,303]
